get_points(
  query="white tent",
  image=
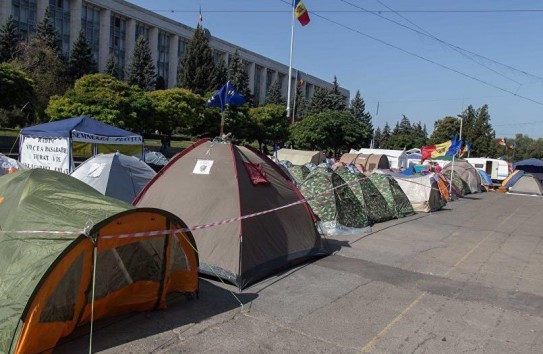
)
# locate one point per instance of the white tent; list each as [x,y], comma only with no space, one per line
[397,158]
[300,157]
[422,191]
[115,175]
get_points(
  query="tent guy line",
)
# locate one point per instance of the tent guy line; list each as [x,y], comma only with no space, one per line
[186,229]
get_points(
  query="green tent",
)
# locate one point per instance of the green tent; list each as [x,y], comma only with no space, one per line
[298,173]
[394,195]
[334,203]
[45,255]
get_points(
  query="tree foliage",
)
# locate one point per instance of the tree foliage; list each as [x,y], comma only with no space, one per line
[176,109]
[80,62]
[385,137]
[337,101]
[271,124]
[47,33]
[220,74]
[8,40]
[329,130]
[320,101]
[238,77]
[358,109]
[141,70]
[112,67]
[274,94]
[106,99]
[17,92]
[197,65]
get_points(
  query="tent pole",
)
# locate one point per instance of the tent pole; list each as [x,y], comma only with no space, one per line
[94,256]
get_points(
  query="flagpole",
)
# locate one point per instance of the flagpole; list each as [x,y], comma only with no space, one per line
[222,110]
[294,101]
[290,64]
[372,143]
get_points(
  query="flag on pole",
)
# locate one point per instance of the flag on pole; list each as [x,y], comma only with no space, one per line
[448,148]
[501,142]
[465,148]
[226,95]
[200,17]
[301,12]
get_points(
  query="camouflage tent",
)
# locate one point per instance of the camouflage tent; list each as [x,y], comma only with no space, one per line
[338,209]
[298,173]
[394,195]
[375,204]
[458,183]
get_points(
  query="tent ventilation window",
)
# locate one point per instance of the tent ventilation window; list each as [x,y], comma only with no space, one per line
[178,259]
[119,267]
[61,303]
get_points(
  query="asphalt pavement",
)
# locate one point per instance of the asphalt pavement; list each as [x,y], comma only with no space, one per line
[468,278]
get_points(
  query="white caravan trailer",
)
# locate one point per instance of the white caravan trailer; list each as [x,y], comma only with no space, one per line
[498,170]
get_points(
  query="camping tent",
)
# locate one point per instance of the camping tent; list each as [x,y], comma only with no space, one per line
[527,184]
[115,175]
[373,203]
[396,158]
[301,157]
[51,145]
[532,166]
[395,197]
[368,162]
[422,191]
[298,173]
[51,223]
[219,183]
[512,178]
[485,178]
[338,209]
[467,172]
[9,165]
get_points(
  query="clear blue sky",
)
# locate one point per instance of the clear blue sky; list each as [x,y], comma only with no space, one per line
[402,83]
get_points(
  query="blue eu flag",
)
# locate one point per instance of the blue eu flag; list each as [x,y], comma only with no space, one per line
[224,96]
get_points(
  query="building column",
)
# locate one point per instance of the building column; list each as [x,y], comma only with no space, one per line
[284,86]
[130,40]
[173,61]
[311,91]
[105,33]
[251,74]
[5,11]
[75,20]
[41,5]
[275,76]
[263,86]
[153,44]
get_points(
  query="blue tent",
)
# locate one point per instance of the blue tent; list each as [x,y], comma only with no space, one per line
[485,178]
[49,145]
[532,166]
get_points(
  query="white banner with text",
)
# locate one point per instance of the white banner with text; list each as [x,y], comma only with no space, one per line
[47,153]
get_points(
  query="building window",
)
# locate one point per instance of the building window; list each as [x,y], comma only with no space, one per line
[162,64]
[182,48]
[142,30]
[281,78]
[90,24]
[24,15]
[117,42]
[307,91]
[269,80]
[59,10]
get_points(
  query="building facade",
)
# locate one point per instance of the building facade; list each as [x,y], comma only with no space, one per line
[112,27]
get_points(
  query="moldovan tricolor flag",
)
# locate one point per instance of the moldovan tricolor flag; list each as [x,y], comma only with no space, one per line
[301,12]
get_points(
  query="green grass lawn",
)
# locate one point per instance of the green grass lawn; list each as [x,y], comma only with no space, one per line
[174,143]
[9,132]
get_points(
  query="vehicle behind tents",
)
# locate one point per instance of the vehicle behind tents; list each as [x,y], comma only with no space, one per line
[422,191]
[51,224]
[115,175]
[498,170]
[467,173]
[395,197]
[527,184]
[219,185]
[336,206]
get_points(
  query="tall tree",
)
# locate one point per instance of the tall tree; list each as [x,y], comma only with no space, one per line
[46,32]
[444,129]
[17,94]
[220,74]
[141,70]
[385,137]
[377,136]
[274,94]
[337,100]
[197,65]
[271,124]
[238,77]
[483,134]
[80,62]
[358,109]
[320,101]
[112,68]
[8,40]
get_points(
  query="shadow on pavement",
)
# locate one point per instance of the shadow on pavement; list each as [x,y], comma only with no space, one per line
[182,310]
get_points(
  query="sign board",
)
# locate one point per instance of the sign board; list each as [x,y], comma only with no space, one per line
[47,153]
[202,167]
[100,139]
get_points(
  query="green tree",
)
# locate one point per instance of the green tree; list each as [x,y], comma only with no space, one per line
[112,67]
[337,101]
[402,135]
[377,136]
[45,69]
[444,130]
[330,130]
[197,65]
[271,124]
[46,32]
[220,74]
[17,92]
[176,109]
[8,40]
[274,94]
[238,77]
[106,99]
[320,101]
[385,137]
[358,109]
[300,105]
[141,70]
[80,62]
[483,134]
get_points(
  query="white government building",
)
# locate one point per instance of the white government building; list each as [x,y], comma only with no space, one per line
[112,27]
